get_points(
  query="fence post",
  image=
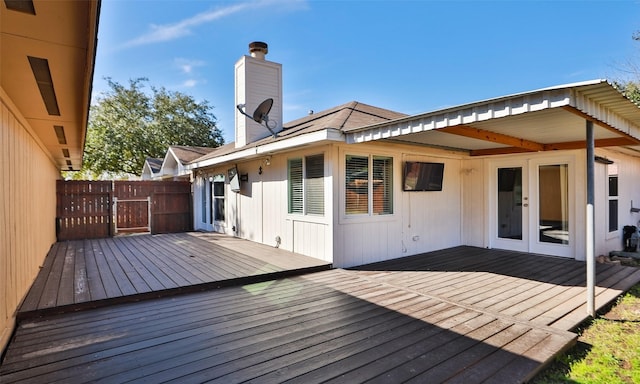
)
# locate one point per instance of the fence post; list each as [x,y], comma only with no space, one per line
[115,215]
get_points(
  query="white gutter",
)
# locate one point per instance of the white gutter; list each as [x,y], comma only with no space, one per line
[328,134]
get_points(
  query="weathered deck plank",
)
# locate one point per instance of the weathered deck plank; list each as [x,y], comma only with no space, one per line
[458,315]
[80,273]
[332,325]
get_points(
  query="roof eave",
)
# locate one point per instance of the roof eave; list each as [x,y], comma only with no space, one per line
[317,137]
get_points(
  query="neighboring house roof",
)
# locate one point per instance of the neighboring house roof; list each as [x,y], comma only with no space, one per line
[173,164]
[185,154]
[154,164]
[309,129]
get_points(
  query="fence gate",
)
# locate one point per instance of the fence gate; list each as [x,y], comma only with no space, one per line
[94,209]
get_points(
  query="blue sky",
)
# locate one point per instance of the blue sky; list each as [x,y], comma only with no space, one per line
[407,56]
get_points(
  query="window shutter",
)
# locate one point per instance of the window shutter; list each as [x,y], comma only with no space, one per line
[357,185]
[314,185]
[382,185]
[295,186]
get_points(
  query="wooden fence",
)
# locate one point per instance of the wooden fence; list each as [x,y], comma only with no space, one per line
[95,209]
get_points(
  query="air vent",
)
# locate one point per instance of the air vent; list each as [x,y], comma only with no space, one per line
[65,152]
[25,6]
[40,68]
[62,138]
[69,162]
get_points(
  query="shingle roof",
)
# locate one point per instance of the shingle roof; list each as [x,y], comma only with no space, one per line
[343,117]
[187,154]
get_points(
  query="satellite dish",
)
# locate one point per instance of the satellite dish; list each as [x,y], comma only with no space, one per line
[261,114]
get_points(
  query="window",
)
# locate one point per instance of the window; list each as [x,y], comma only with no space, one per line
[218,198]
[306,185]
[612,171]
[203,195]
[368,185]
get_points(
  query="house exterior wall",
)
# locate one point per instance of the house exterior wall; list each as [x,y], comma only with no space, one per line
[420,222]
[460,214]
[474,197]
[628,170]
[27,211]
[259,211]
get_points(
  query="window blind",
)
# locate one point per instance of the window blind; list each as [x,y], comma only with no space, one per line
[357,185]
[382,185]
[295,186]
[314,185]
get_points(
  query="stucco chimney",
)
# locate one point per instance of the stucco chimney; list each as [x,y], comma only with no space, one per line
[256,80]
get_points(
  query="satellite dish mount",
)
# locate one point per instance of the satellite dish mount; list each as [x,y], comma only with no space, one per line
[261,115]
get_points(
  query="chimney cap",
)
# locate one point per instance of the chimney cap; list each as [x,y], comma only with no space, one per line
[258,49]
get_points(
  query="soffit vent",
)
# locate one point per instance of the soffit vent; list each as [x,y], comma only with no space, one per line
[25,6]
[40,68]
[65,152]
[62,138]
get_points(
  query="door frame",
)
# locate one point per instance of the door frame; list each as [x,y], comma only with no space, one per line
[530,218]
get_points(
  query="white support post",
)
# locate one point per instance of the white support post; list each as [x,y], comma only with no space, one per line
[149,212]
[590,228]
[115,215]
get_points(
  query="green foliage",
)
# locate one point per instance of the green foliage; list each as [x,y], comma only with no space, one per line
[631,89]
[128,125]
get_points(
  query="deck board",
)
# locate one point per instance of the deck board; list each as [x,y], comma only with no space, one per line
[83,273]
[458,315]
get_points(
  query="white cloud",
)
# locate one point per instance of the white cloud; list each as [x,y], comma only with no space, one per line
[161,33]
[168,32]
[190,83]
[186,65]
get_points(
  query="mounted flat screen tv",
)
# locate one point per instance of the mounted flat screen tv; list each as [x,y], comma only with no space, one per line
[419,176]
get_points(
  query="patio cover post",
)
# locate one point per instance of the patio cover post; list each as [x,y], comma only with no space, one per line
[590,246]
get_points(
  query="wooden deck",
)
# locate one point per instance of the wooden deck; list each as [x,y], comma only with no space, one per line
[542,290]
[462,315]
[87,273]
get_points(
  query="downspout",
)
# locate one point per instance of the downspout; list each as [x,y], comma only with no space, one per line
[590,229]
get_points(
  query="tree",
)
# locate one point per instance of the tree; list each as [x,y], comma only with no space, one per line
[630,86]
[127,125]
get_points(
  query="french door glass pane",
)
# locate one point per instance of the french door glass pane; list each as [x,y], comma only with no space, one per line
[510,203]
[553,191]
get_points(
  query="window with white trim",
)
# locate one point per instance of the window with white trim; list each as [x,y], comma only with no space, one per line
[612,195]
[306,185]
[368,185]
[218,198]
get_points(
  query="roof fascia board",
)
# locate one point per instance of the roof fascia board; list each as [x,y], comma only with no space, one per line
[317,137]
[466,114]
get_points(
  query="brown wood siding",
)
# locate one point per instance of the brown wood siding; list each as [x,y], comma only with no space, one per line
[27,211]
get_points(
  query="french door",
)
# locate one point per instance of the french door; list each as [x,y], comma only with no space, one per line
[531,206]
